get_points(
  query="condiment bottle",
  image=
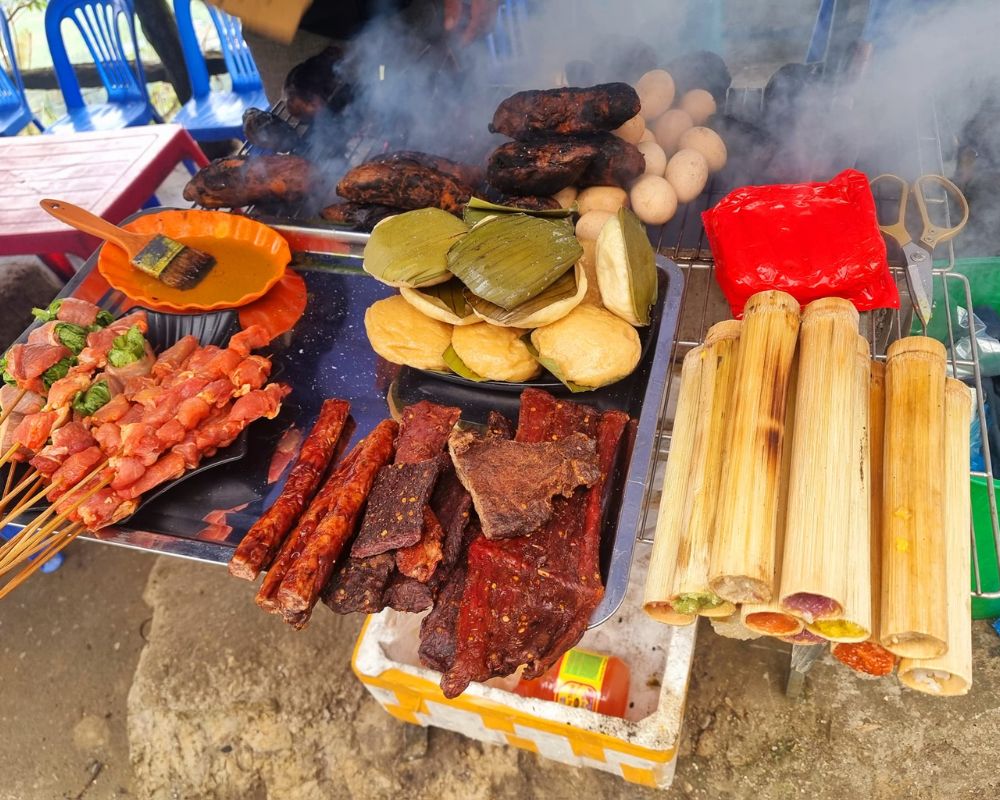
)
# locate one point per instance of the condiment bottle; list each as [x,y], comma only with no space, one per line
[583,679]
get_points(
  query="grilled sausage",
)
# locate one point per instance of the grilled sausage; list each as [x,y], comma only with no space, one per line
[308,574]
[262,541]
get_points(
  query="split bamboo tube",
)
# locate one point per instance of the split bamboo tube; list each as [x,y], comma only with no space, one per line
[733,628]
[914,615]
[951,674]
[854,622]
[869,656]
[816,568]
[746,527]
[663,559]
[689,592]
[768,618]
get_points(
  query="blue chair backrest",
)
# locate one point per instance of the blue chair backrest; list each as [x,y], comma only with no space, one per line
[236,54]
[98,23]
[11,86]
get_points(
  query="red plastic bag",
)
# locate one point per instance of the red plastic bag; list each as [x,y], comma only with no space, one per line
[811,240]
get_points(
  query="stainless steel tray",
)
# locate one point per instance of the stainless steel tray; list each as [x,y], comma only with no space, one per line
[328,355]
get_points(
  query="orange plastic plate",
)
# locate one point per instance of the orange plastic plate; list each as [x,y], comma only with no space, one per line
[250,259]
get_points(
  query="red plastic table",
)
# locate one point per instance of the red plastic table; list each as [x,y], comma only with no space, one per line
[110,173]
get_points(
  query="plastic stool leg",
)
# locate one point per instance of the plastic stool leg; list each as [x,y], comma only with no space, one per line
[59,264]
[152,202]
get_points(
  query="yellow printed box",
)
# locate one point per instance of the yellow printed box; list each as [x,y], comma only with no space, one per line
[641,748]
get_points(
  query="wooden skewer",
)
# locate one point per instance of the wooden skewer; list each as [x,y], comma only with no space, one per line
[9,481]
[28,538]
[9,411]
[27,483]
[26,503]
[47,513]
[56,544]
[7,456]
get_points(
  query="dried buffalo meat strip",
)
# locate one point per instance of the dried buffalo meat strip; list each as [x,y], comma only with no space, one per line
[360,585]
[567,111]
[309,573]
[418,561]
[262,541]
[451,504]
[403,185]
[424,431]
[408,595]
[512,483]
[395,515]
[528,599]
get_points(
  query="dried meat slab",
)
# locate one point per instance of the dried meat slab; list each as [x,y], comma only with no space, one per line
[395,517]
[408,594]
[359,585]
[527,600]
[418,561]
[512,483]
[424,430]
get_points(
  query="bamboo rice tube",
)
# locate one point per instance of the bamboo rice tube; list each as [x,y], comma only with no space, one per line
[768,618]
[820,554]
[804,637]
[870,657]
[951,673]
[854,622]
[663,559]
[689,592]
[914,616]
[746,529]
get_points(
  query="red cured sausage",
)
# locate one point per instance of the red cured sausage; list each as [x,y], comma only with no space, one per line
[308,574]
[262,541]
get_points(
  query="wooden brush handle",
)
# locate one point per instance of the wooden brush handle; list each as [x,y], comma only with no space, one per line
[83,220]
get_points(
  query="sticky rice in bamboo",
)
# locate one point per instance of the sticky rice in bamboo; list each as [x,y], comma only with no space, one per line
[744,548]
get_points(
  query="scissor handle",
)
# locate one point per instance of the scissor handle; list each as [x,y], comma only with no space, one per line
[897,230]
[934,234]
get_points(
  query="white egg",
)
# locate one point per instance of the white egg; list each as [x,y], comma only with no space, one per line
[656,159]
[656,93]
[631,130]
[687,172]
[601,198]
[669,128]
[653,199]
[708,143]
[699,104]
[565,197]
[588,227]
[647,136]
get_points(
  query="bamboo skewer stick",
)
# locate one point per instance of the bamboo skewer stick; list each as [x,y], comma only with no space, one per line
[663,559]
[689,592]
[56,544]
[27,483]
[914,615]
[28,538]
[7,456]
[27,502]
[854,622]
[8,411]
[746,524]
[869,656]
[951,673]
[769,619]
[816,564]
[10,479]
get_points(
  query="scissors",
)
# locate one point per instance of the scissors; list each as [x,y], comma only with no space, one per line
[919,254]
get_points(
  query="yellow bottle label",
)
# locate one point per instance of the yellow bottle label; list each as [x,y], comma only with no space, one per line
[580,678]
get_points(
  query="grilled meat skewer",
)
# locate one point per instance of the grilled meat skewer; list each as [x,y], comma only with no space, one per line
[539,168]
[403,185]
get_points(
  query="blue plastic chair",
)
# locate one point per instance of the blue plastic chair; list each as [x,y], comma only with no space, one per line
[15,113]
[211,116]
[128,101]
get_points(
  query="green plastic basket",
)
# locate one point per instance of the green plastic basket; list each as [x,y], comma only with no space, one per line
[983,275]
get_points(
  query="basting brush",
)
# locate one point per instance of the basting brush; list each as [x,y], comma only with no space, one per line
[165,259]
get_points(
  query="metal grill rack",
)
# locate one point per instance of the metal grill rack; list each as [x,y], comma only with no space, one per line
[702,305]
